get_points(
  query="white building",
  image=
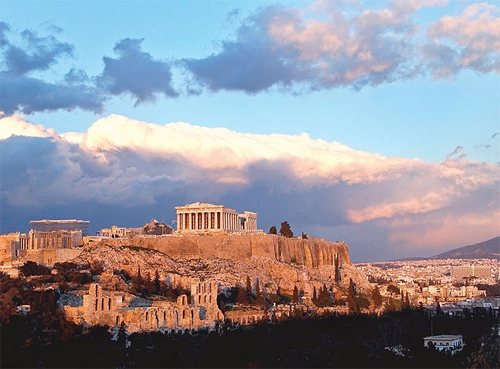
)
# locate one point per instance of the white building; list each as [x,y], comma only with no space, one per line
[203,217]
[445,342]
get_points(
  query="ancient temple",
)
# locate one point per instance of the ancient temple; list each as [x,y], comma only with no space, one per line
[203,217]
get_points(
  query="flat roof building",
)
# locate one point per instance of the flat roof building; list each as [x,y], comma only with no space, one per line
[445,342]
[50,225]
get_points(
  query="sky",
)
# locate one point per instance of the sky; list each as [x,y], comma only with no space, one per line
[376,123]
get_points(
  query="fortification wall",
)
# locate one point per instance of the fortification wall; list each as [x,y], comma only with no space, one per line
[311,252]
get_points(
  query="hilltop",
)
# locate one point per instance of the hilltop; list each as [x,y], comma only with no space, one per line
[489,249]
[274,261]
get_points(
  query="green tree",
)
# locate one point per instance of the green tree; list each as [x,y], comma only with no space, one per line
[31,268]
[286,230]
[393,289]
[376,297]
[295,297]
[248,286]
[257,289]
[242,296]
[337,268]
[273,230]
[137,281]
[351,298]
[157,284]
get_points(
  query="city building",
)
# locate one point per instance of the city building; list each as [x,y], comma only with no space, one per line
[203,217]
[445,342]
[467,271]
[49,225]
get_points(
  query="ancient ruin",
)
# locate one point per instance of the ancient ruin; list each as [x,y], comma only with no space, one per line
[205,217]
[112,308]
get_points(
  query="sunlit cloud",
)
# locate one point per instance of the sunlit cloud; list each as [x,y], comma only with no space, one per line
[126,164]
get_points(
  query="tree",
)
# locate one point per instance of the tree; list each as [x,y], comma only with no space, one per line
[376,297]
[337,269]
[407,302]
[137,281]
[286,230]
[242,296]
[157,282]
[295,297]
[31,268]
[273,230]
[351,298]
[393,289]
[248,286]
[257,289]
[315,296]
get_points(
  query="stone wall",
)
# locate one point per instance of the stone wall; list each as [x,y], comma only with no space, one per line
[7,247]
[311,252]
[114,308]
[49,257]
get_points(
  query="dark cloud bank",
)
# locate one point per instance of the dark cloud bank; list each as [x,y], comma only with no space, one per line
[273,48]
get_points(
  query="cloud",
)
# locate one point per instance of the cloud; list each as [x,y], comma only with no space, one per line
[331,45]
[468,41]
[136,72]
[277,46]
[122,164]
[324,45]
[39,53]
[24,93]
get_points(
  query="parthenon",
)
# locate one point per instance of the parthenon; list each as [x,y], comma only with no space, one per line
[203,217]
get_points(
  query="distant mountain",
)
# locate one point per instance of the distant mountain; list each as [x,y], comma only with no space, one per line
[488,249]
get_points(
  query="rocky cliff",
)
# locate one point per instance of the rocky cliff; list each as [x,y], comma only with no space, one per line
[310,252]
[274,261]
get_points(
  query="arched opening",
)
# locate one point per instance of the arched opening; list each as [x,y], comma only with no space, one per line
[147,316]
[109,304]
[117,320]
[184,314]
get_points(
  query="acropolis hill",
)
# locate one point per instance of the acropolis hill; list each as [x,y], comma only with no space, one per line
[274,260]
[310,252]
[211,243]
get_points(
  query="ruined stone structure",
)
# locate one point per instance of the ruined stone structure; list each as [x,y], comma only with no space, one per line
[156,228]
[10,244]
[49,225]
[61,239]
[116,232]
[113,308]
[205,217]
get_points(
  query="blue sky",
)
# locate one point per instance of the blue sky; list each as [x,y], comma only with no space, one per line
[400,91]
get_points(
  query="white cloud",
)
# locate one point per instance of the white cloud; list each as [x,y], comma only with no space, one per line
[126,163]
